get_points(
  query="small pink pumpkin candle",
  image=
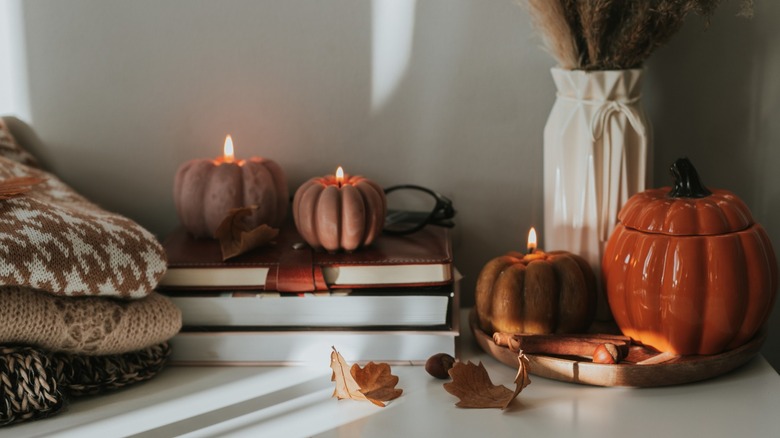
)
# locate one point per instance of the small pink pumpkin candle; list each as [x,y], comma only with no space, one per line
[205,190]
[339,212]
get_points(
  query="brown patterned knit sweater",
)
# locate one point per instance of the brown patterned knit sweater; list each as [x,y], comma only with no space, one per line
[53,239]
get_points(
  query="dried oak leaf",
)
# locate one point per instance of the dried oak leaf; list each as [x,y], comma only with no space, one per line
[521,379]
[17,186]
[374,383]
[346,386]
[235,237]
[471,384]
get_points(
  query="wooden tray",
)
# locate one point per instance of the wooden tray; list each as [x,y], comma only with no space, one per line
[683,369]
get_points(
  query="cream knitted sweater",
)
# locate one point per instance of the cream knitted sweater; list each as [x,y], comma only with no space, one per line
[88,325]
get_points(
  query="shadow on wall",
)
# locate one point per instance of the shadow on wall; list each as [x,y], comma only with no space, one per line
[712,95]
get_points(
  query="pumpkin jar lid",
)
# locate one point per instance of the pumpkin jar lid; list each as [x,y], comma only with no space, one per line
[687,209]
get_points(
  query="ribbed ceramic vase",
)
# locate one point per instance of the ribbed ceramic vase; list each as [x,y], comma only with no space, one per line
[597,153]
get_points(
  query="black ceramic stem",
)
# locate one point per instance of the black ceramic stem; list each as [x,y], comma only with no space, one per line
[686,181]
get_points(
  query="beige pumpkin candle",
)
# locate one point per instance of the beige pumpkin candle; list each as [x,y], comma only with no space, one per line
[339,212]
[537,292]
[205,190]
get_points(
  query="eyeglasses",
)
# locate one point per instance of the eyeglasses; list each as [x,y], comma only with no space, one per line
[411,207]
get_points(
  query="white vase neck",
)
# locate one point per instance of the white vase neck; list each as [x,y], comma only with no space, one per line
[600,85]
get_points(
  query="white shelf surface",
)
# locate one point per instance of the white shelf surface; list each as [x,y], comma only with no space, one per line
[296,401]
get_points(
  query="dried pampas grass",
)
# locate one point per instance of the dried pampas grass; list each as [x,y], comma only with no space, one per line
[550,18]
[613,34]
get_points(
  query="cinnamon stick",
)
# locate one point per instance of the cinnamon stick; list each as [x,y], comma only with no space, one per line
[560,345]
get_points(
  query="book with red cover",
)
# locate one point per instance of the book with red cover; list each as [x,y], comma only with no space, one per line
[423,258]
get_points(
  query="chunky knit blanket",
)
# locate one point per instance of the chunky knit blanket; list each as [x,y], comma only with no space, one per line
[36,384]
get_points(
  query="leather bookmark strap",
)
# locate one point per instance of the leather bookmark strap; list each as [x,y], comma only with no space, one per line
[297,272]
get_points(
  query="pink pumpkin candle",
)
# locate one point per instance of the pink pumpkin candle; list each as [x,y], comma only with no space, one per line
[339,212]
[205,190]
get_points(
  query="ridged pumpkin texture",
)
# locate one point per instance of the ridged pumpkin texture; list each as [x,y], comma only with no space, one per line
[205,191]
[690,294]
[540,293]
[341,217]
[653,211]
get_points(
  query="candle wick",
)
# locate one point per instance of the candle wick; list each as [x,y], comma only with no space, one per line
[531,250]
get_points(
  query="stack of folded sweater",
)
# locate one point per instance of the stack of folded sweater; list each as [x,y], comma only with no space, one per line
[78,314]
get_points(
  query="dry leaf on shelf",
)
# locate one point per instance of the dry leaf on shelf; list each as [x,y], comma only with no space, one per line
[13,187]
[374,383]
[521,379]
[471,384]
[235,238]
[346,386]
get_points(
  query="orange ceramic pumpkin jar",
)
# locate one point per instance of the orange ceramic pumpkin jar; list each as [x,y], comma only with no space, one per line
[687,270]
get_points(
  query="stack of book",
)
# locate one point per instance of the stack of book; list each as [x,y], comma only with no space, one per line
[395,301]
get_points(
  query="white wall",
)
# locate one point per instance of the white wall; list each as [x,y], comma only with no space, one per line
[13,66]
[451,94]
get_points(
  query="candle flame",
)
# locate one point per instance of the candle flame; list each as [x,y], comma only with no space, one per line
[340,176]
[531,240]
[227,150]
